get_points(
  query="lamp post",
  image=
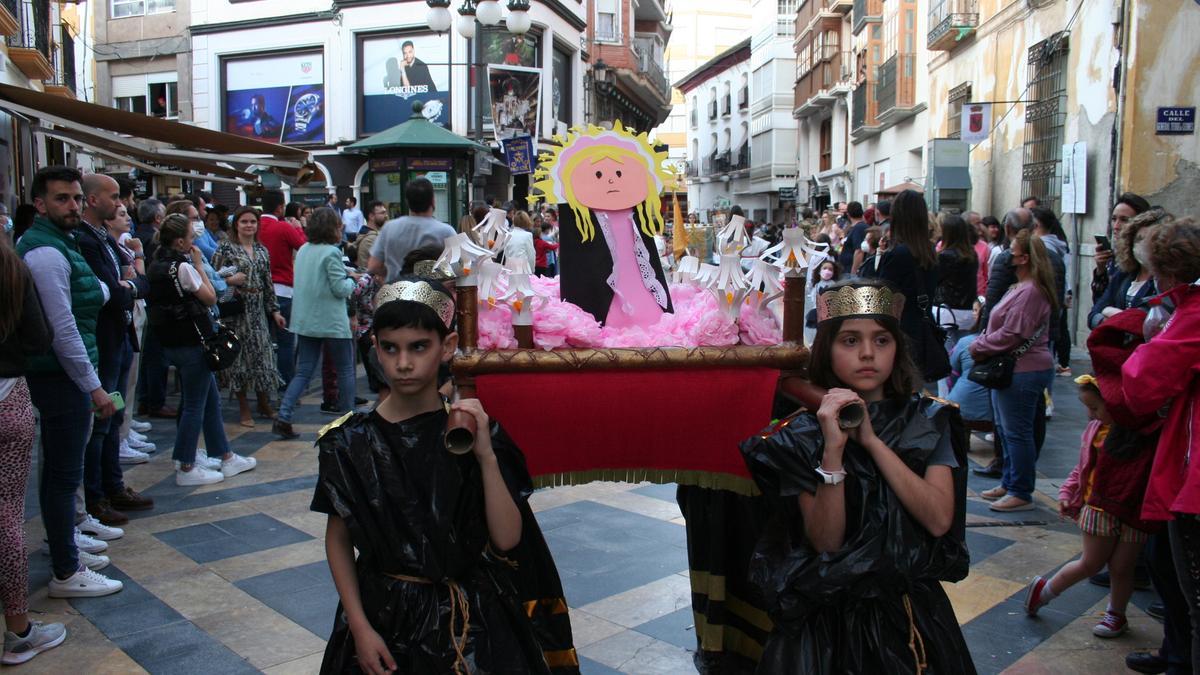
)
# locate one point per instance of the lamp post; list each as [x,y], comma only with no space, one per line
[487,12]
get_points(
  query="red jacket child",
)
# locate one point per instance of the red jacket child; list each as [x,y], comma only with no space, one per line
[1164,372]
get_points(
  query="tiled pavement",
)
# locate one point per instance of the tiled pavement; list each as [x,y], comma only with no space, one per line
[231,578]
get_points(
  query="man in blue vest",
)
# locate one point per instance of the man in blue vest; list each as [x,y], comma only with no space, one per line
[64,384]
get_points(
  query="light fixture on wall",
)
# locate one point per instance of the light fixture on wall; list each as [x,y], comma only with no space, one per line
[466,19]
[438,17]
[518,17]
[488,12]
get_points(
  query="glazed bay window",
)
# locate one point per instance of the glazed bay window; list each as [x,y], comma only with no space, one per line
[124,8]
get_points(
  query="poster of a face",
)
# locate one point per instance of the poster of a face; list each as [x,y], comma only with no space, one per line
[516,100]
[276,98]
[400,69]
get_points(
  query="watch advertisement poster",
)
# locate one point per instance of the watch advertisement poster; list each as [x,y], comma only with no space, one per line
[516,99]
[276,98]
[398,70]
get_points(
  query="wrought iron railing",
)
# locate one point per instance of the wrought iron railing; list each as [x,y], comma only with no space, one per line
[34,18]
[946,15]
[643,48]
[743,157]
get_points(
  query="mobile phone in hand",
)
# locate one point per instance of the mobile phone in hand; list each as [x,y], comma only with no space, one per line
[117,399]
[1102,242]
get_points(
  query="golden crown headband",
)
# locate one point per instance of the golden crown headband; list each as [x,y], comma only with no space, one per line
[859,301]
[418,291]
[427,269]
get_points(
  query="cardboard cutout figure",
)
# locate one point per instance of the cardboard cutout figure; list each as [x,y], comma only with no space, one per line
[608,185]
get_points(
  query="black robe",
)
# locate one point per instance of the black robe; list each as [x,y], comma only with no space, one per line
[844,612]
[415,510]
[583,267]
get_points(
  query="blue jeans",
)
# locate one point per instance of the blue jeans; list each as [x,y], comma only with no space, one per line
[66,423]
[200,408]
[152,376]
[102,474]
[1016,411]
[341,350]
[285,358]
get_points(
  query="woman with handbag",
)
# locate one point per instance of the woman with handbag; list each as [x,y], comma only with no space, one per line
[180,295]
[254,367]
[1016,342]
[910,264]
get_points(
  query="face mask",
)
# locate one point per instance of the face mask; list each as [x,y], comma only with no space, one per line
[1141,254]
[826,274]
[865,246]
[198,227]
[8,223]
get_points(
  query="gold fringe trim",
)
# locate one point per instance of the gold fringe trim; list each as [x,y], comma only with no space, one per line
[714,588]
[563,658]
[705,479]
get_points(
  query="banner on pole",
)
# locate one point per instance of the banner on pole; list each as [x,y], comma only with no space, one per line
[976,122]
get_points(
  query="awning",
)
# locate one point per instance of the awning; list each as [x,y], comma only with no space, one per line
[417,132]
[952,177]
[150,143]
[901,187]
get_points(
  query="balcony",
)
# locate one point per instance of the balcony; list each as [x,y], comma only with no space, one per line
[743,158]
[841,6]
[649,10]
[693,169]
[743,98]
[862,112]
[29,48]
[950,22]
[895,89]
[608,33]
[727,105]
[712,110]
[866,11]
[8,17]
[695,118]
[830,77]
[63,55]
[649,67]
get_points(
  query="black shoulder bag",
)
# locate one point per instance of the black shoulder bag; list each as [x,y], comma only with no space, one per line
[220,344]
[996,372]
[934,358]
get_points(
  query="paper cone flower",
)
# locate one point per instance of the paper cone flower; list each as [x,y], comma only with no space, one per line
[459,256]
[491,277]
[494,231]
[793,252]
[705,274]
[728,284]
[764,282]
[732,238]
[689,266]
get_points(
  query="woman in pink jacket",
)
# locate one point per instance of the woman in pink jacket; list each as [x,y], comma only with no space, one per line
[1165,373]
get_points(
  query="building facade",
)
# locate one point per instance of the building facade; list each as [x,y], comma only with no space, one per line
[718,136]
[627,41]
[772,126]
[825,76]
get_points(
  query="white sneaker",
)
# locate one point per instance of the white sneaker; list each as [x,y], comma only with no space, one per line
[136,435]
[237,464]
[98,530]
[140,427]
[41,637]
[93,562]
[84,584]
[89,544]
[127,455]
[197,476]
[140,444]
[211,463]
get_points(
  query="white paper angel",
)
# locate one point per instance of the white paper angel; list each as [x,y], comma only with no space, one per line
[686,270]
[494,230]
[521,295]
[728,284]
[459,257]
[794,252]
[764,282]
[732,238]
[705,274]
[491,275]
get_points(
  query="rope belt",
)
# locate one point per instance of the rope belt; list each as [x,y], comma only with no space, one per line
[458,605]
[915,644]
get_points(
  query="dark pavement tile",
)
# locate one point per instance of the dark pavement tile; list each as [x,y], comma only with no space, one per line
[677,628]
[191,534]
[982,546]
[180,648]
[119,620]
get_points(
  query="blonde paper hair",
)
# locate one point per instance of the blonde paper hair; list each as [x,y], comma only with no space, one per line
[592,144]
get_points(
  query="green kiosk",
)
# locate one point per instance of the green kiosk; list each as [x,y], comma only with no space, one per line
[418,147]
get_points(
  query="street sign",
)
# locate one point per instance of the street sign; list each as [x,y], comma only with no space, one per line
[787,194]
[1175,121]
[1074,178]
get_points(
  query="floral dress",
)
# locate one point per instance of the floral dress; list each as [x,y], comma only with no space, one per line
[254,370]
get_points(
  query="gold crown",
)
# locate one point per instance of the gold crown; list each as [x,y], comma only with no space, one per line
[418,291]
[859,300]
[428,269]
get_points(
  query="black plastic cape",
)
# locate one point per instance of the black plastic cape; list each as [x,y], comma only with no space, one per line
[415,510]
[846,611]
